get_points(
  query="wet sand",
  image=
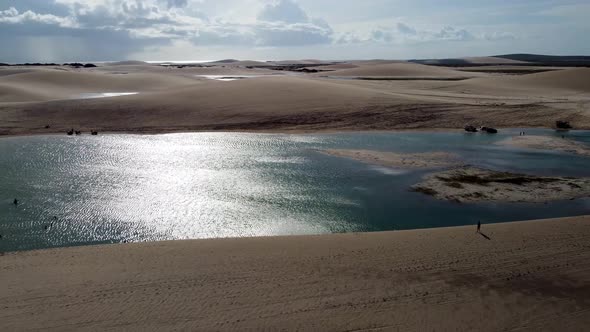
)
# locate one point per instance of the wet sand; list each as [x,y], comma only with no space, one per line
[525,276]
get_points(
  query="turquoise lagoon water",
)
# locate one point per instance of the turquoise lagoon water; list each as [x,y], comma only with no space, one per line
[116,188]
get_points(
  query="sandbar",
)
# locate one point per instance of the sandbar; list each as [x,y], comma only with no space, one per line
[472,184]
[402,160]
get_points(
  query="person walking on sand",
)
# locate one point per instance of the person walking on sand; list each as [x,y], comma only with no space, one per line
[479,226]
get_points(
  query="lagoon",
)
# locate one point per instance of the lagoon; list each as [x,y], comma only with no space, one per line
[132,188]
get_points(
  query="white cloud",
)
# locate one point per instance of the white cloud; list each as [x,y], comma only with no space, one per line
[285,27]
[405,29]
[499,36]
[283,11]
[13,16]
[402,33]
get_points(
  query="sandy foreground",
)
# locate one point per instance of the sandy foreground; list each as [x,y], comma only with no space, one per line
[400,95]
[525,276]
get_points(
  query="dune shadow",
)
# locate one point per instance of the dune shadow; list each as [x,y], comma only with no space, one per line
[485,236]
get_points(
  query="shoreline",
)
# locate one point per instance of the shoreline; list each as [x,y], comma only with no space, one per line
[287,237]
[516,275]
[287,131]
[535,142]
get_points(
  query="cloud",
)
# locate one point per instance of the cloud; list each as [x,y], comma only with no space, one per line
[285,23]
[382,35]
[405,29]
[492,36]
[177,3]
[348,38]
[13,16]
[286,11]
[402,33]
[40,30]
[451,33]
[298,34]
[82,33]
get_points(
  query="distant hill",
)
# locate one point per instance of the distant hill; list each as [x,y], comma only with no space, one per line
[550,60]
[226,61]
[510,60]
[469,61]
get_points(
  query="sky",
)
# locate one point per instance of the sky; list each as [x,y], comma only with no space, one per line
[177,30]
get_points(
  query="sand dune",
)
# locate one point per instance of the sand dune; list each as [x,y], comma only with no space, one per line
[402,69]
[239,63]
[486,60]
[300,62]
[574,80]
[527,276]
[6,71]
[270,92]
[375,62]
[568,79]
[52,84]
[127,63]
[179,99]
[336,66]
[21,93]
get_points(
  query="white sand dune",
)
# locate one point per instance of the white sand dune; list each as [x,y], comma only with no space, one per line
[52,84]
[569,79]
[526,276]
[180,99]
[574,80]
[375,62]
[401,69]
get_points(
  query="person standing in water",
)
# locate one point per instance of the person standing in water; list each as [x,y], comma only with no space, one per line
[15,202]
